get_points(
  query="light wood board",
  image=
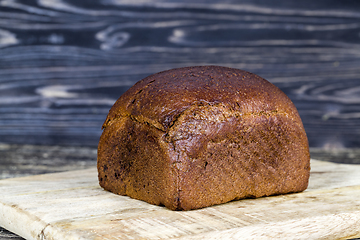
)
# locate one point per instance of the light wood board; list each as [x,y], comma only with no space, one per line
[71,205]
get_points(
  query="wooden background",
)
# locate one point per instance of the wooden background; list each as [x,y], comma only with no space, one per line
[63,63]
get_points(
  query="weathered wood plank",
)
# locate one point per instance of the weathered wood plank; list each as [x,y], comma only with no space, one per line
[25,160]
[6,235]
[64,63]
[71,205]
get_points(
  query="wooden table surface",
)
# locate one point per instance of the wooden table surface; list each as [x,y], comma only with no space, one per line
[63,63]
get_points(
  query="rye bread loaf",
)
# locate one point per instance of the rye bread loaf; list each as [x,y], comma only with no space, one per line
[193,137]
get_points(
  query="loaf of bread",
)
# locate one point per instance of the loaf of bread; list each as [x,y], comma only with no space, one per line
[194,137]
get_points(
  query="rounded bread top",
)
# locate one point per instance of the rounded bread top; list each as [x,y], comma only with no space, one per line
[160,98]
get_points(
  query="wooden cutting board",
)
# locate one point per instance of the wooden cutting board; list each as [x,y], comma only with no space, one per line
[71,205]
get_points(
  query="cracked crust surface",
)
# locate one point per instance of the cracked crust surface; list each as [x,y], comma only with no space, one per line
[193,137]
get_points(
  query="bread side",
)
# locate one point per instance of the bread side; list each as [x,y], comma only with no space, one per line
[194,137]
[132,162]
[239,157]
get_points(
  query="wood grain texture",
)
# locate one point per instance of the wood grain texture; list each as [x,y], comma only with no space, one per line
[71,205]
[64,63]
[26,160]
[6,235]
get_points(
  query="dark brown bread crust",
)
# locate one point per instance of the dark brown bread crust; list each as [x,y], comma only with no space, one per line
[193,137]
